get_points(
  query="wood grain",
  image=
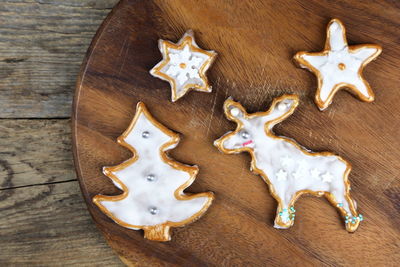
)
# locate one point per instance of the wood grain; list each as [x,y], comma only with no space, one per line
[42,44]
[35,152]
[48,225]
[255,41]
[44,221]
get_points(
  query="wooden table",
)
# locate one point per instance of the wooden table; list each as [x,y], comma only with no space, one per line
[44,220]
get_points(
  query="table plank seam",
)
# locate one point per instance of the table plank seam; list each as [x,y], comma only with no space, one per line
[40,184]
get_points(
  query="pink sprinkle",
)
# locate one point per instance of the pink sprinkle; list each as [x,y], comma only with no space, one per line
[247,143]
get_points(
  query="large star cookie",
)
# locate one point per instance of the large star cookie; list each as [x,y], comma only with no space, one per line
[339,66]
[184,66]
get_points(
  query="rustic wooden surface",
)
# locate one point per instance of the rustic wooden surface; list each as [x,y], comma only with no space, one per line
[44,221]
[255,41]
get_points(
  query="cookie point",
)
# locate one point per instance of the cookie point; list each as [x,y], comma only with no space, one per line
[105,170]
[297,58]
[334,26]
[321,105]
[189,32]
[216,142]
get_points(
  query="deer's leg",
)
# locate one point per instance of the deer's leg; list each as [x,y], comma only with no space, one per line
[340,197]
[285,213]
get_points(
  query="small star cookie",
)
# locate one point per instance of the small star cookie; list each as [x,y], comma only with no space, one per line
[184,66]
[339,66]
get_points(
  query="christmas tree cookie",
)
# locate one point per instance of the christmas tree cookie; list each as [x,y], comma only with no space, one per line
[184,66]
[152,183]
[289,169]
[339,66]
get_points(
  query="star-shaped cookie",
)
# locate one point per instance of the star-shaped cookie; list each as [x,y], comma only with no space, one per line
[339,66]
[184,65]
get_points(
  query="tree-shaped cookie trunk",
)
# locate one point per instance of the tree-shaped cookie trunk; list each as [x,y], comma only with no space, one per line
[152,183]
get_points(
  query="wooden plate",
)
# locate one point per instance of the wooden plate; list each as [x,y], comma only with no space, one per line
[255,41]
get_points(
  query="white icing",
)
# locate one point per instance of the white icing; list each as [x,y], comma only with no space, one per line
[235,112]
[151,201]
[298,174]
[339,53]
[288,168]
[285,216]
[282,106]
[281,175]
[286,161]
[327,177]
[315,173]
[184,65]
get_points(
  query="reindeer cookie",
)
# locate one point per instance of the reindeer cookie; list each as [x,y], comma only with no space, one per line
[184,66]
[339,66]
[289,169]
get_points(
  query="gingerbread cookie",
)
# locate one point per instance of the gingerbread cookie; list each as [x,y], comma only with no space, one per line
[184,66]
[289,169]
[339,66]
[152,183]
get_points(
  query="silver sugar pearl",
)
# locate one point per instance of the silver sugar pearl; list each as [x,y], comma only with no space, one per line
[151,178]
[245,135]
[146,134]
[153,210]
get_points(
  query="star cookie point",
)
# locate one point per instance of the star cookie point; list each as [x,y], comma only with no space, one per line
[339,66]
[184,66]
